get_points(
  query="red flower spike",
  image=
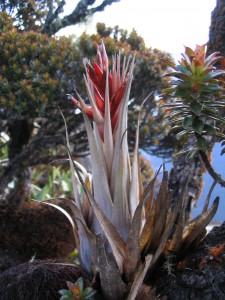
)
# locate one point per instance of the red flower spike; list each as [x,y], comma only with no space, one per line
[97,76]
[99,100]
[88,110]
[102,58]
[116,100]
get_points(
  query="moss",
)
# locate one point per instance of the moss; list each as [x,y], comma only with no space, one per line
[38,280]
[36,230]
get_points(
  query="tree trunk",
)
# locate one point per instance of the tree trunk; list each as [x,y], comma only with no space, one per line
[217,29]
[190,173]
[20,132]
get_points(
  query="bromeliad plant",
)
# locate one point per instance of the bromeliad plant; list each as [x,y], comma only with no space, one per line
[197,103]
[76,291]
[121,231]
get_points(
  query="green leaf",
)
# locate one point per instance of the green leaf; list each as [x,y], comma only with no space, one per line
[183,69]
[184,93]
[42,194]
[210,129]
[187,121]
[66,297]
[201,143]
[88,293]
[79,283]
[179,75]
[65,292]
[211,88]
[196,108]
[198,125]
[213,74]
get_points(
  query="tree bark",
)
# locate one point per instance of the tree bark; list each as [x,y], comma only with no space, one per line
[20,132]
[190,173]
[216,32]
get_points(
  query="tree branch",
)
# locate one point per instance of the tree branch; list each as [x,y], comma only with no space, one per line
[51,16]
[217,177]
[53,24]
[22,160]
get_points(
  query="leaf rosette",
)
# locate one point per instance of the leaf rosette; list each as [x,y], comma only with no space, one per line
[196,96]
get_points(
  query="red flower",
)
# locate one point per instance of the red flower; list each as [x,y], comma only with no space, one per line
[97,76]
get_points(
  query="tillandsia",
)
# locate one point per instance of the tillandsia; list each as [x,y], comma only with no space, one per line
[120,229]
[196,101]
